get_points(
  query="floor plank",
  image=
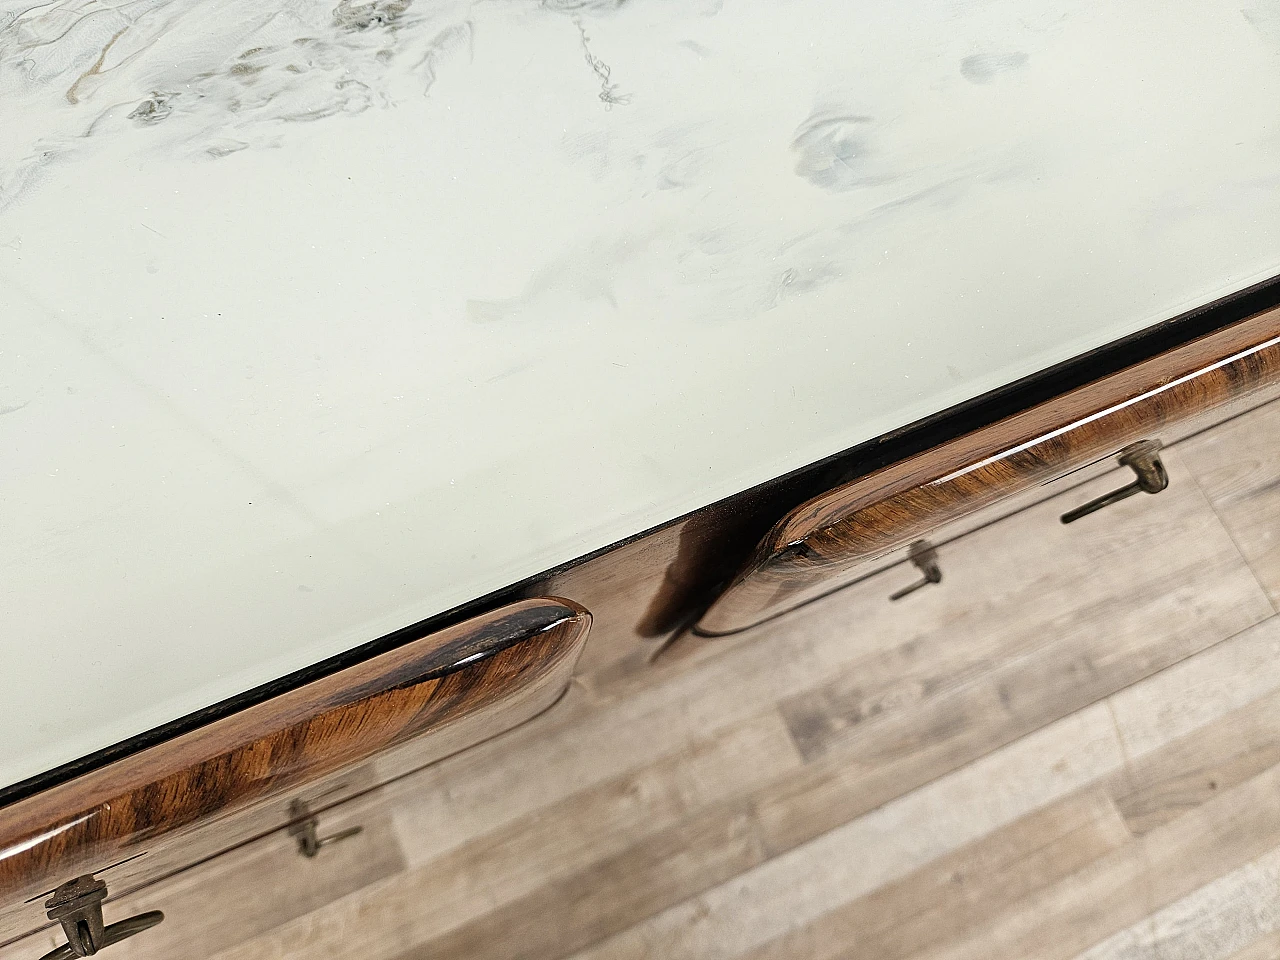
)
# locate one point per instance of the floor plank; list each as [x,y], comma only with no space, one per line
[1264,948]
[916,836]
[1156,869]
[828,914]
[1234,915]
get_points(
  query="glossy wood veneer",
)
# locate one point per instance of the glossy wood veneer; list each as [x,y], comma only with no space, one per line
[826,541]
[489,665]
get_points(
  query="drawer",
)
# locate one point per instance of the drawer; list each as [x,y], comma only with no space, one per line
[252,888]
[853,530]
[191,797]
[899,569]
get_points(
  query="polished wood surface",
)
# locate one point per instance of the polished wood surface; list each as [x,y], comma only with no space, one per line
[823,543]
[520,655]
[1067,749]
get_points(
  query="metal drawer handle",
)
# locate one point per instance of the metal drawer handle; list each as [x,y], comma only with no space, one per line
[306,830]
[77,905]
[1143,458]
[925,558]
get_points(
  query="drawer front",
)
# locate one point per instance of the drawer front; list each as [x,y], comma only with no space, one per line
[222,784]
[250,889]
[899,570]
[839,536]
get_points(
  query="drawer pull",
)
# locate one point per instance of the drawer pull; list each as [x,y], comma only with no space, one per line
[1143,458]
[77,905]
[925,558]
[307,830]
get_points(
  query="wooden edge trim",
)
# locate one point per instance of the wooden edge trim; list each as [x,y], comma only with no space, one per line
[95,819]
[839,530]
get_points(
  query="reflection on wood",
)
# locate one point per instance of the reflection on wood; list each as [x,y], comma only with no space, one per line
[488,664]
[823,543]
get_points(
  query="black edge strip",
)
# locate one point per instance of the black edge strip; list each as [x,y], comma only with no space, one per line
[502,634]
[467,651]
[802,483]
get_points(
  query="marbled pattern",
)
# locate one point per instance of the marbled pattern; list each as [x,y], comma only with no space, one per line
[221,77]
[302,299]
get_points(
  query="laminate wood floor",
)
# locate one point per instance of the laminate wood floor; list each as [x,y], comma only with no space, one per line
[1068,749]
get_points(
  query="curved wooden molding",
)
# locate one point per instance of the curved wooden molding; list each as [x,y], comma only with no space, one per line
[281,744]
[820,545]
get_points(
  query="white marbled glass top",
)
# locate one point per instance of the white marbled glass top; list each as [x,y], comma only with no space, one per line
[319,319]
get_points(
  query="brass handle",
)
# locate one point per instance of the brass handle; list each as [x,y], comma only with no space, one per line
[77,905]
[111,933]
[1143,458]
[306,830]
[309,844]
[925,558]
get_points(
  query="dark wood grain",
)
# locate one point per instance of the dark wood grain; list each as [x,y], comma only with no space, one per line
[487,665]
[823,542]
